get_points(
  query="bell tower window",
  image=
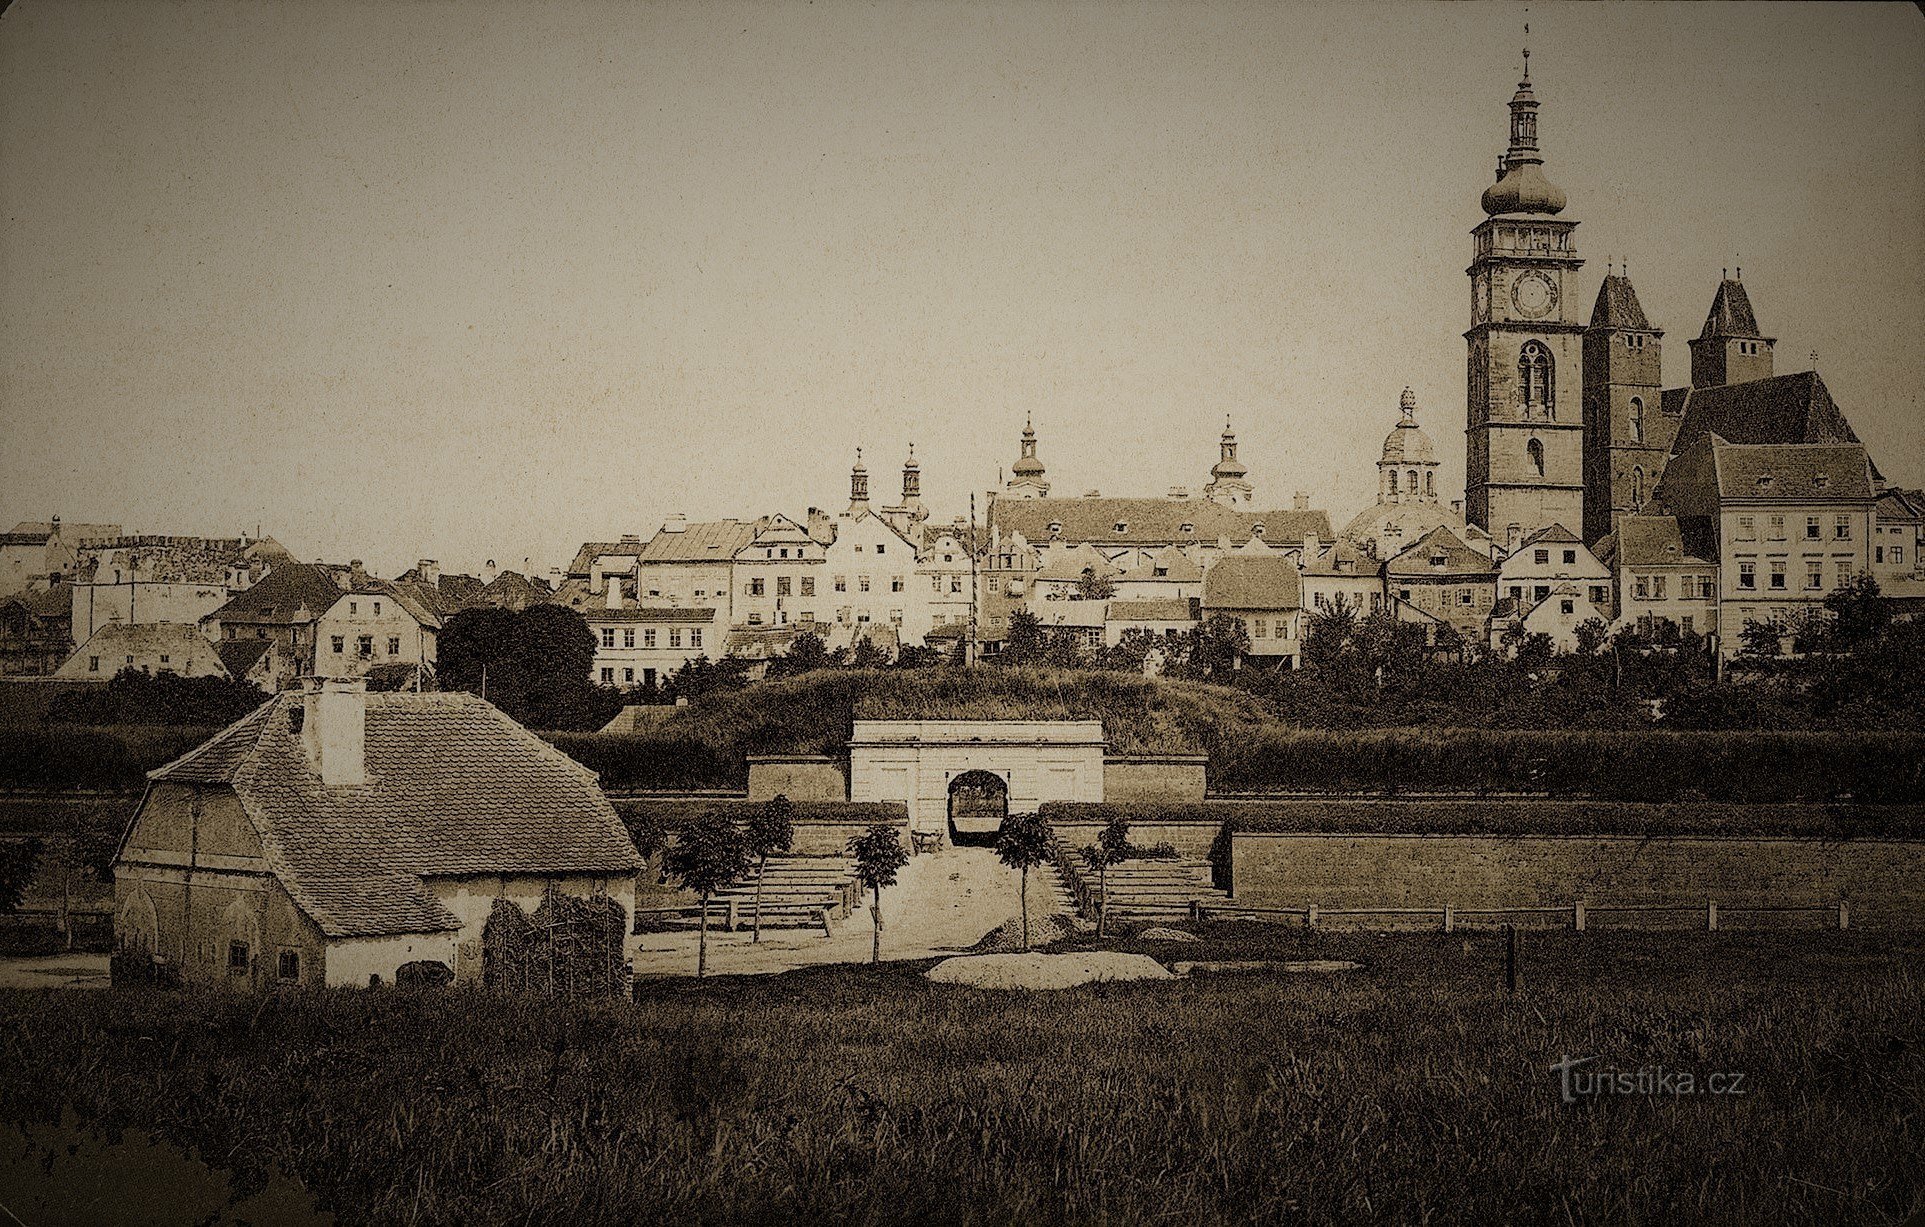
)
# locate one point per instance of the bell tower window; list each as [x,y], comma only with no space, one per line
[1535,451]
[1534,369]
[1637,488]
[1637,419]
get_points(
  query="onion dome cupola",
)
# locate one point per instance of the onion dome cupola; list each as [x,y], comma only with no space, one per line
[1407,472]
[1521,186]
[858,484]
[1026,475]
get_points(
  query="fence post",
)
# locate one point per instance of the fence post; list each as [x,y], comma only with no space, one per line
[1196,911]
[1577,915]
[1711,914]
[734,905]
[1844,915]
[1310,917]
[1450,919]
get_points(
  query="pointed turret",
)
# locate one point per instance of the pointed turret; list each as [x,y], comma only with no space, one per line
[1626,433]
[1731,349]
[858,485]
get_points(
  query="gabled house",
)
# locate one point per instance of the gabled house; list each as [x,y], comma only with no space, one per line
[1661,574]
[284,608]
[335,837]
[1439,579]
[1557,615]
[375,623]
[36,630]
[1549,558]
[151,647]
[1343,572]
[1264,591]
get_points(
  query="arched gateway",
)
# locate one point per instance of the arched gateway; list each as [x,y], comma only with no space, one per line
[978,803]
[936,767]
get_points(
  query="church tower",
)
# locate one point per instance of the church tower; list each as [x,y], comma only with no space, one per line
[858,486]
[1730,349]
[1229,479]
[1524,429]
[1026,475]
[1627,435]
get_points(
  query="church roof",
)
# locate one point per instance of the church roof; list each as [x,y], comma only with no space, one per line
[1731,314]
[1795,408]
[1617,306]
[1150,521]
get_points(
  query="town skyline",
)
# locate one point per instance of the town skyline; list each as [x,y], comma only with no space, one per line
[551,367]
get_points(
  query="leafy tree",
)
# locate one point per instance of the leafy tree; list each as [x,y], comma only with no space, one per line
[1111,847]
[1859,614]
[1094,587]
[1448,640]
[867,655]
[535,664]
[1591,636]
[1132,651]
[1330,632]
[918,656]
[19,859]
[137,697]
[709,854]
[1216,646]
[1763,640]
[1023,644]
[771,828]
[1024,843]
[700,675]
[805,654]
[878,853]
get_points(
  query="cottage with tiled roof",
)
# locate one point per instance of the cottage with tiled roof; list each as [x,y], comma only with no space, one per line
[375,623]
[1898,548]
[337,836]
[36,629]
[285,609]
[44,551]
[1556,615]
[1551,558]
[1264,591]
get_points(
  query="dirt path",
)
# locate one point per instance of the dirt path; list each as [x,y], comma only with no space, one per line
[55,971]
[942,902]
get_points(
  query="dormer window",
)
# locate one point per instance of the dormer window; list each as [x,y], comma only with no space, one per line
[1764,481]
[1122,526]
[1186,528]
[1820,480]
[1256,530]
[1056,528]
[1439,560]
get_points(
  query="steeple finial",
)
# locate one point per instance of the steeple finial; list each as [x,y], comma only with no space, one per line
[1527,51]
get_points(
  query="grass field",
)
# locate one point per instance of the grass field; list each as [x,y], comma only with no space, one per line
[1413,1090]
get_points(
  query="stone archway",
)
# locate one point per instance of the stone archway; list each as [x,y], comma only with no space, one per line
[978,803]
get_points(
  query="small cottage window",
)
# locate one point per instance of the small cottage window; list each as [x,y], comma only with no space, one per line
[290,965]
[237,958]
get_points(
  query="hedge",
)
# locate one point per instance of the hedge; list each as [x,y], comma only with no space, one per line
[1884,768]
[671,812]
[629,761]
[1511,817]
[110,758]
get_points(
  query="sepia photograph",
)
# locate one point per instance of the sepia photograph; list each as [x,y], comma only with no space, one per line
[961,611]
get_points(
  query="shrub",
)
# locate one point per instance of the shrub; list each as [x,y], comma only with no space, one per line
[115,759]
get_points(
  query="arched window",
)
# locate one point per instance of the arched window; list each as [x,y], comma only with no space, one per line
[1637,419]
[1430,483]
[1535,450]
[1637,487]
[1534,378]
[1410,481]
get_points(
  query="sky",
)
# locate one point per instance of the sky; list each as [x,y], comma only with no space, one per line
[483,281]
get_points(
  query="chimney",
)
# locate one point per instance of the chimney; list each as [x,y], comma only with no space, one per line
[1457,506]
[1511,536]
[334,714]
[1312,546]
[614,591]
[1300,501]
[429,570]
[677,523]
[357,575]
[1179,492]
[488,572]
